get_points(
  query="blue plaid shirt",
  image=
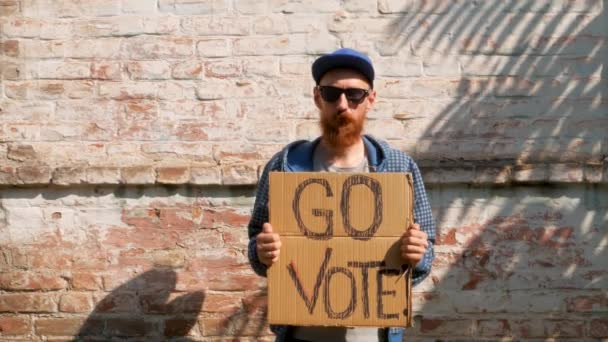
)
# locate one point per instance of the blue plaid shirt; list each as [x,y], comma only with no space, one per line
[297,157]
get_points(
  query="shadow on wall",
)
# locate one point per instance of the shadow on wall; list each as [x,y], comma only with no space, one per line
[249,319]
[528,80]
[529,99]
[216,296]
[145,306]
[148,307]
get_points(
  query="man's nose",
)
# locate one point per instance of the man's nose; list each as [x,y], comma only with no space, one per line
[342,102]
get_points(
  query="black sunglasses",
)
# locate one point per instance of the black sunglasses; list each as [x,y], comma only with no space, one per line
[332,94]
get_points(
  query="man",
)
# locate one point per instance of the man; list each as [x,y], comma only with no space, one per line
[343,94]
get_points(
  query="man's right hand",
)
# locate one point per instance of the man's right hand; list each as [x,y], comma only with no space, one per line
[268,245]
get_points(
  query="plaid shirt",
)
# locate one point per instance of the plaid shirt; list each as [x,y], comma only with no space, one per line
[382,158]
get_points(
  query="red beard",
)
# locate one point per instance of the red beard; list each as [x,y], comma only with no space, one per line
[341,130]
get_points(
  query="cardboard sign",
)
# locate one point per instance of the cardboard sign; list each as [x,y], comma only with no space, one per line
[340,262]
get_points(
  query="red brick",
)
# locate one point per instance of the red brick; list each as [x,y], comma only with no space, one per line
[105,70]
[34,174]
[50,89]
[493,328]
[85,281]
[131,327]
[447,237]
[240,279]
[187,70]
[28,302]
[205,176]
[93,326]
[598,327]
[142,217]
[446,326]
[235,237]
[235,281]
[149,70]
[19,257]
[564,328]
[178,218]
[238,324]
[116,237]
[8,175]
[58,326]
[158,47]
[169,258]
[143,233]
[223,69]
[118,302]
[215,218]
[127,91]
[212,326]
[477,257]
[10,48]
[113,280]
[555,237]
[216,260]
[95,260]
[528,328]
[192,131]
[5,258]
[257,303]
[134,257]
[595,303]
[103,175]
[15,325]
[75,302]
[446,259]
[222,302]
[173,175]
[8,7]
[69,175]
[139,110]
[13,71]
[173,303]
[201,239]
[474,279]
[190,281]
[143,238]
[158,280]
[179,326]
[239,174]
[241,154]
[30,281]
[138,175]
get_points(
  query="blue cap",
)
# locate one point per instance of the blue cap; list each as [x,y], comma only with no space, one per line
[343,58]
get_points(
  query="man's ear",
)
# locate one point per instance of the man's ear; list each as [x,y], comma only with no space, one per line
[317,96]
[371,98]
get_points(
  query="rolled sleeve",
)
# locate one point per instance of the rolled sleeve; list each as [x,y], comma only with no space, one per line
[424,217]
[259,216]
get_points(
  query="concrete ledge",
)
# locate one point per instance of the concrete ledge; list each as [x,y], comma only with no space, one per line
[248,174]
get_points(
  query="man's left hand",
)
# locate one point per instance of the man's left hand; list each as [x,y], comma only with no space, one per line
[413,245]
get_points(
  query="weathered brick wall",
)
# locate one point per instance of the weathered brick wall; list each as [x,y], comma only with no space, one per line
[132,134]
[526,262]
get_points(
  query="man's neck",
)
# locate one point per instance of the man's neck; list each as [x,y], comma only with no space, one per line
[348,156]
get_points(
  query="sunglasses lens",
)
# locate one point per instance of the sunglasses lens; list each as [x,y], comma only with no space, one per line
[354,94]
[330,94]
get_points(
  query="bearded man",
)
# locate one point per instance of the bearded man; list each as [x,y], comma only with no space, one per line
[344,95]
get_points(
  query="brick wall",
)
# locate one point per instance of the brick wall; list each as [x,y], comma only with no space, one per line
[132,134]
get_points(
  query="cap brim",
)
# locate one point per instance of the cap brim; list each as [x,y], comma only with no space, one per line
[328,62]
